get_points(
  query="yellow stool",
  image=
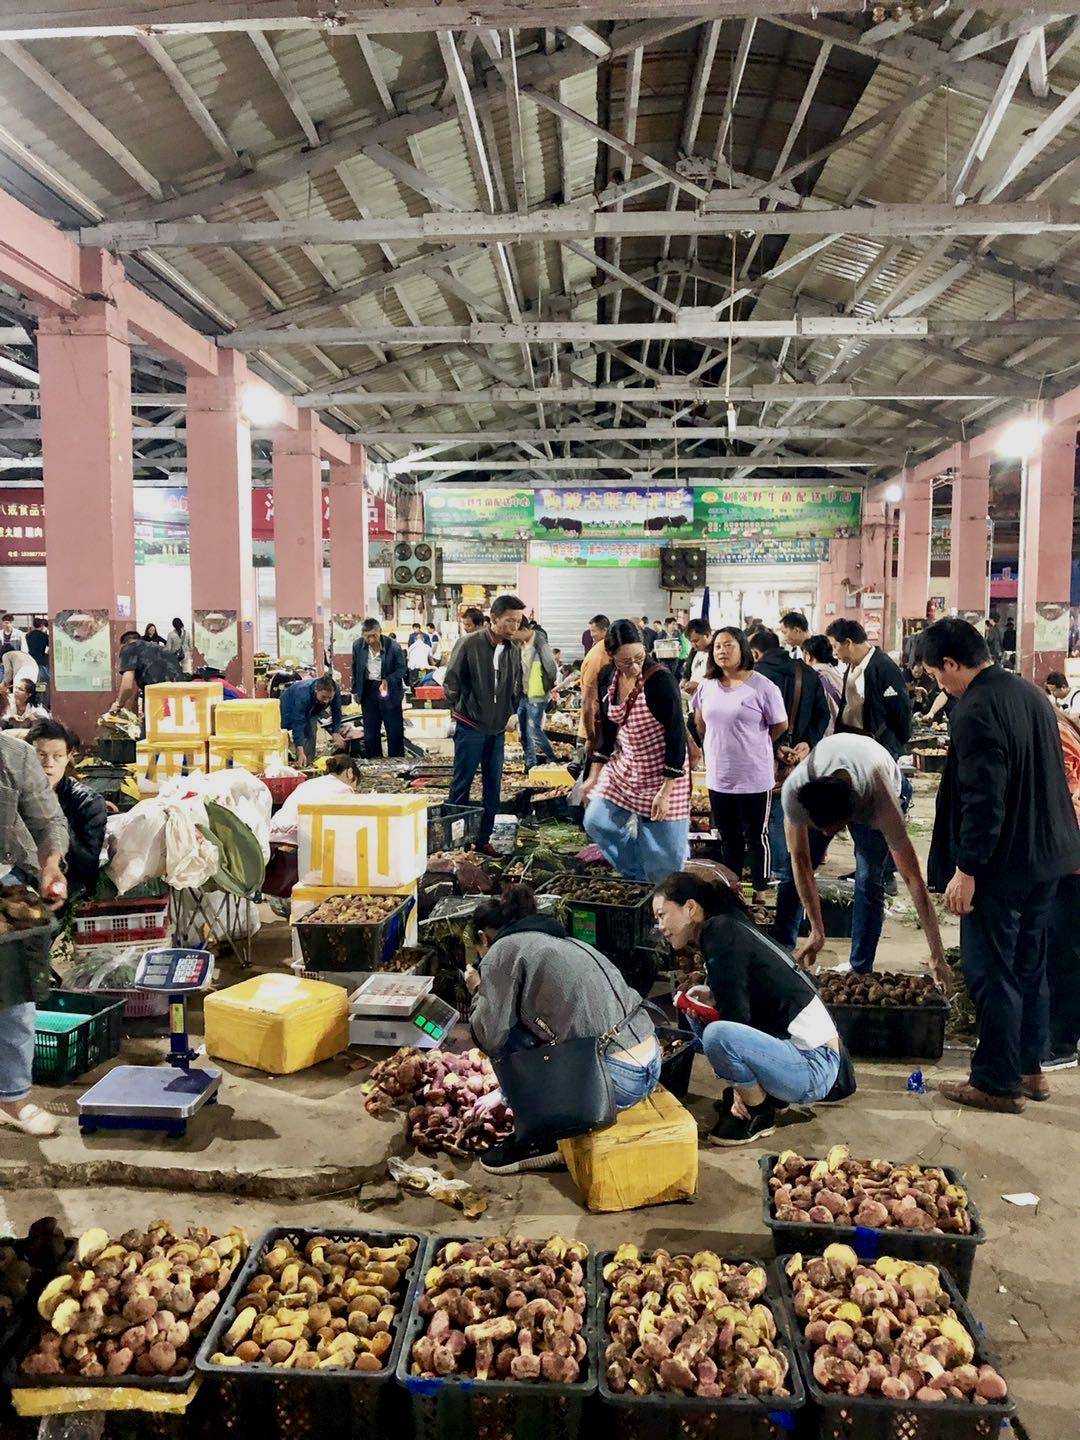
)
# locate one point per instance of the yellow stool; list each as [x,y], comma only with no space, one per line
[277,1023]
[648,1157]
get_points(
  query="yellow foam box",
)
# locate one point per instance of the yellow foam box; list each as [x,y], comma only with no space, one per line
[304,898]
[363,842]
[156,760]
[238,753]
[248,719]
[183,710]
[699,783]
[648,1157]
[428,724]
[550,775]
[277,1023]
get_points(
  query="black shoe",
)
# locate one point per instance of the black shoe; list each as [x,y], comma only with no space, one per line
[733,1131]
[511,1157]
[890,886]
[1060,1060]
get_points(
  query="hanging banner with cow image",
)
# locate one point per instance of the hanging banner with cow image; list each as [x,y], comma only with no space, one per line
[661,513]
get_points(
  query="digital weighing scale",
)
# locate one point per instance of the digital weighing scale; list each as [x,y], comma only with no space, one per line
[399,1010]
[158,1097]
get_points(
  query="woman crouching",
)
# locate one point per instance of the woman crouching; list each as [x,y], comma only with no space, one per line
[774,1042]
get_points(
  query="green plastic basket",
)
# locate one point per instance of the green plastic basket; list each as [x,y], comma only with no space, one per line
[74,1034]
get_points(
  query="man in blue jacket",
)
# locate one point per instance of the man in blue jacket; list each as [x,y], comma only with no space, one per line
[378,683]
[302,706]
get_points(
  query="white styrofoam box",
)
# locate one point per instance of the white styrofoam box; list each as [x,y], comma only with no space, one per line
[363,842]
[428,724]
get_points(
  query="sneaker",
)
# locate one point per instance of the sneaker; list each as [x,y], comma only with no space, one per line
[1060,1060]
[32,1120]
[730,1130]
[512,1157]
[844,968]
[890,886]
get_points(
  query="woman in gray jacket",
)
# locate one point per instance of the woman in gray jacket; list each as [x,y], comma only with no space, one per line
[533,985]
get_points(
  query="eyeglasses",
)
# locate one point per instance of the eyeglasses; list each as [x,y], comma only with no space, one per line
[625,666]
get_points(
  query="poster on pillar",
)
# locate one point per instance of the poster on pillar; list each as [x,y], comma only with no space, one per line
[216,638]
[296,639]
[345,630]
[82,651]
[1051,627]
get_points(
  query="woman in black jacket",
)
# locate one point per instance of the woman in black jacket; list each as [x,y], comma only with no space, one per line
[772,1040]
[638,789]
[84,811]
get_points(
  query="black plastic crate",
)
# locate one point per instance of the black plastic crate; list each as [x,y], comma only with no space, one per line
[893,1032]
[115,749]
[451,827]
[637,967]
[955,1253]
[610,928]
[353,944]
[22,1317]
[61,1058]
[667,1416]
[872,1417]
[460,1408]
[550,807]
[676,1070]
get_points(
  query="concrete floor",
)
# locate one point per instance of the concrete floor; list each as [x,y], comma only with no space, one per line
[302,1148]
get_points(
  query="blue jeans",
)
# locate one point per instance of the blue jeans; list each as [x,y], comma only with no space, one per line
[16,1051]
[531,724]
[779,859]
[473,750]
[872,870]
[744,1056]
[632,1083]
[640,849]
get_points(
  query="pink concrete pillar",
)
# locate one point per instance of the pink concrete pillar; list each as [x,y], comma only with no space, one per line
[85,367]
[298,541]
[1046,515]
[528,589]
[219,510]
[875,560]
[913,566]
[348,558]
[842,564]
[968,585]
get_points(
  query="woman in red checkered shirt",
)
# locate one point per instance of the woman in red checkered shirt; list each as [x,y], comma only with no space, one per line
[638,789]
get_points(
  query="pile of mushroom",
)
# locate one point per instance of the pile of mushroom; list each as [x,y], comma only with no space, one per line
[504,1308]
[138,1304]
[840,1190]
[451,1111]
[690,1324]
[886,1329]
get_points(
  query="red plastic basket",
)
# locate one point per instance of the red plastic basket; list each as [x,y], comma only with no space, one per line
[118,922]
[282,786]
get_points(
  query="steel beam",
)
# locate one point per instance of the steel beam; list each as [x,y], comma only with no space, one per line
[665,394]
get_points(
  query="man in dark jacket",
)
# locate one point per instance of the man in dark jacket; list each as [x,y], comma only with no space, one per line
[303,704]
[1005,832]
[484,686]
[874,699]
[378,686]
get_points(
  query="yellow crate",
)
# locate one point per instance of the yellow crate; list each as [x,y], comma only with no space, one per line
[248,720]
[277,1023]
[156,760]
[648,1157]
[182,711]
[304,898]
[366,842]
[550,776]
[253,755]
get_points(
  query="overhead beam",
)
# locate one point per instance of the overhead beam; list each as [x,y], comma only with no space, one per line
[664,394]
[683,434]
[650,464]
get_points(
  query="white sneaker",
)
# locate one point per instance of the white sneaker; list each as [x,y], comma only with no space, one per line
[844,968]
[32,1120]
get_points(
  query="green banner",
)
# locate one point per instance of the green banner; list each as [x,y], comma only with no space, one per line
[578,554]
[482,511]
[723,512]
[659,513]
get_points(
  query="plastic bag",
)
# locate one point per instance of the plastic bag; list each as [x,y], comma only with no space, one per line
[425,1180]
[190,858]
[236,790]
[136,845]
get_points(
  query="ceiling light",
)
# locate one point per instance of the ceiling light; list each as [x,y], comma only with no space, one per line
[261,405]
[894,493]
[1021,438]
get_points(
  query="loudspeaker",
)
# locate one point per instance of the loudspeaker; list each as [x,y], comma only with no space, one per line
[414,566]
[682,567]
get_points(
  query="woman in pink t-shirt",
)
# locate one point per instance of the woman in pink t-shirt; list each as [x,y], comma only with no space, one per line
[740,714]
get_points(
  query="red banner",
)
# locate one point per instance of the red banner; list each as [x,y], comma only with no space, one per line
[262,513]
[381,518]
[22,526]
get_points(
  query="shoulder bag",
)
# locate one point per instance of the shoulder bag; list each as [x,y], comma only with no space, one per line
[785,767]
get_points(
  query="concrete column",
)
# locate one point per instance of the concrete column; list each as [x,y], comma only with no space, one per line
[298,542]
[219,510]
[968,584]
[348,557]
[85,367]
[913,566]
[528,589]
[842,564]
[875,544]
[1046,519]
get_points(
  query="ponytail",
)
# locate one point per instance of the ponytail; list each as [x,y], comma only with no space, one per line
[495,913]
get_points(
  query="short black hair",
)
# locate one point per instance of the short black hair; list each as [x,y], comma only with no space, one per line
[502,603]
[697,627]
[473,614]
[764,640]
[40,623]
[953,639]
[819,649]
[325,682]
[129,635]
[829,800]
[601,622]
[1056,678]
[371,624]
[796,620]
[50,729]
[416,625]
[842,630]
[746,660]
[3,618]
[622,632]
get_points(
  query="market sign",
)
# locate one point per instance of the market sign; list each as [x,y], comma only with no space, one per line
[162,533]
[577,554]
[381,517]
[815,511]
[262,512]
[767,550]
[666,514]
[22,526]
[473,552]
[489,511]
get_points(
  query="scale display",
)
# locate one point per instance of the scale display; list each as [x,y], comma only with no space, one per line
[435,1017]
[174,970]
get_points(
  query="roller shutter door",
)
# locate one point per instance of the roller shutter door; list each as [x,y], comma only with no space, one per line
[569,598]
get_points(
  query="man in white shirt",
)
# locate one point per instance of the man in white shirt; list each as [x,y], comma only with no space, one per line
[699,633]
[11,637]
[419,655]
[874,700]
[794,632]
[1061,693]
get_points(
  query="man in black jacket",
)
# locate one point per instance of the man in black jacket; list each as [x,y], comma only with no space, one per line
[378,685]
[1005,832]
[874,699]
[484,686]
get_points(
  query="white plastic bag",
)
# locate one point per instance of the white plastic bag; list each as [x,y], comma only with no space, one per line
[136,845]
[236,790]
[190,858]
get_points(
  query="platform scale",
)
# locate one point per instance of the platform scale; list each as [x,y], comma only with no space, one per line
[158,1097]
[399,1010]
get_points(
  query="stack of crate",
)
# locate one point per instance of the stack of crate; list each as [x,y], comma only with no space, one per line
[247,736]
[179,724]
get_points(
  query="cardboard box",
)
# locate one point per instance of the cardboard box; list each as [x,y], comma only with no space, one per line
[248,720]
[277,1023]
[183,710]
[157,759]
[238,753]
[363,842]
[648,1157]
